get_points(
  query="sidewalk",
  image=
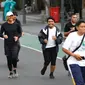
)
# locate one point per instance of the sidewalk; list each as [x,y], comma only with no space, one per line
[34,28]
[31,18]
[33,22]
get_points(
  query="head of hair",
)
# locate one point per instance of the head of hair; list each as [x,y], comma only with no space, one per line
[73,14]
[50,18]
[15,13]
[79,22]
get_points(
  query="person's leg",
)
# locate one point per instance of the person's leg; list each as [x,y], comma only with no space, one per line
[14,58]
[15,52]
[9,59]
[14,62]
[18,51]
[46,55]
[9,64]
[76,74]
[53,61]
[83,73]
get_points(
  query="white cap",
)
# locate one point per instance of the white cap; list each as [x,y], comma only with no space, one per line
[9,14]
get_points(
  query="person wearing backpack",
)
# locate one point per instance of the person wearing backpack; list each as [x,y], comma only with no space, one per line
[76,61]
[50,38]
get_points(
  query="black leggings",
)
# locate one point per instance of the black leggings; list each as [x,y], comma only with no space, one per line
[50,55]
[11,62]
[12,54]
[18,50]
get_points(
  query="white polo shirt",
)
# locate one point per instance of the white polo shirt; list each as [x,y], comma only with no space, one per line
[72,41]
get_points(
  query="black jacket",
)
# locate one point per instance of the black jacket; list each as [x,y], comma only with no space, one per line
[42,36]
[10,30]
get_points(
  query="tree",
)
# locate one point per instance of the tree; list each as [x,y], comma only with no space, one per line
[50,3]
[47,6]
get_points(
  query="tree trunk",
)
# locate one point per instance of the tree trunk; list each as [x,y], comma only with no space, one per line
[47,5]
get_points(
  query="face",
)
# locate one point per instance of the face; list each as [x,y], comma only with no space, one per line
[81,28]
[14,16]
[10,18]
[51,23]
[74,18]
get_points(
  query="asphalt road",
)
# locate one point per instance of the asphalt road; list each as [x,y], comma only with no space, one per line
[29,68]
[30,64]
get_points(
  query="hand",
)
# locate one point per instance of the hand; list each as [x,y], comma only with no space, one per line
[46,41]
[54,37]
[16,38]
[72,29]
[78,57]
[22,33]
[5,36]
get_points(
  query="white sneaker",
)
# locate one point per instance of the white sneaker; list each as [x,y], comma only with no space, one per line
[15,75]
[10,75]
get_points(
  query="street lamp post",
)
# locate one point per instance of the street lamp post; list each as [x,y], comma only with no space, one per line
[80,1]
[24,12]
[62,15]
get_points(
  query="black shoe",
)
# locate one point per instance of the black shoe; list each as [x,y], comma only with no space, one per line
[43,70]
[51,76]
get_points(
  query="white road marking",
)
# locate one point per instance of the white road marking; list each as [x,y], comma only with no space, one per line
[31,47]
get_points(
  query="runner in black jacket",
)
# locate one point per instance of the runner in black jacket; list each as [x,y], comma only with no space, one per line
[50,38]
[11,32]
[18,22]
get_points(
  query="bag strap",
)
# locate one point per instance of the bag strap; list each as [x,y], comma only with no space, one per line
[78,46]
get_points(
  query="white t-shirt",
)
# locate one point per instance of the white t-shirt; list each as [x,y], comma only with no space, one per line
[51,42]
[71,42]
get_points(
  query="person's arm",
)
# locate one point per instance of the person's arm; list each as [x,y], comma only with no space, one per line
[19,31]
[18,22]
[77,56]
[20,25]
[59,37]
[67,52]
[1,33]
[41,38]
[67,46]
[67,33]
[66,30]
[71,30]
